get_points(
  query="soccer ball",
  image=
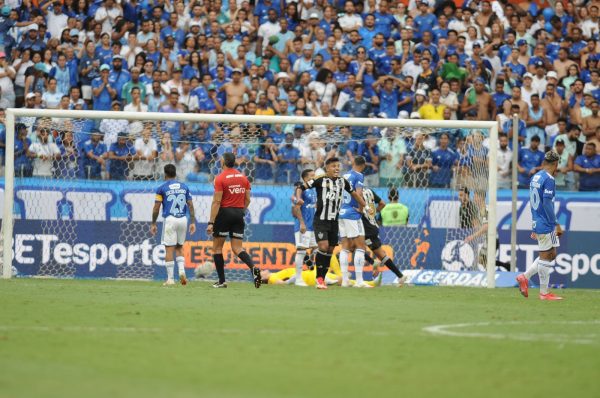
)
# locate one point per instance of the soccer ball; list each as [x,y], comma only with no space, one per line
[205,269]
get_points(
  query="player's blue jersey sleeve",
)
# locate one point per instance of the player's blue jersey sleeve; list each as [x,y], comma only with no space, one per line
[359,181]
[548,201]
[160,197]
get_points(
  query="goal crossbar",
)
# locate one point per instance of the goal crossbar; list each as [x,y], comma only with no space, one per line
[13,113]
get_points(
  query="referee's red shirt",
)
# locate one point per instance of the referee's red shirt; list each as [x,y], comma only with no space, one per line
[233,184]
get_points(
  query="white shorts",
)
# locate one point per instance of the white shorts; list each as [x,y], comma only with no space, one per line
[351,228]
[547,241]
[174,231]
[305,240]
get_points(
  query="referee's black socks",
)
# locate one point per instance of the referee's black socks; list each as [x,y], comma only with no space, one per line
[391,266]
[322,260]
[245,257]
[220,266]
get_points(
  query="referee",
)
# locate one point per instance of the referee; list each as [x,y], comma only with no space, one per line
[229,204]
[330,193]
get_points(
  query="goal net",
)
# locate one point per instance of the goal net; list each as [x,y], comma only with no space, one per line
[81,187]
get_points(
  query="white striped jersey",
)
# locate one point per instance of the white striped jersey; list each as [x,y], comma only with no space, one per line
[330,195]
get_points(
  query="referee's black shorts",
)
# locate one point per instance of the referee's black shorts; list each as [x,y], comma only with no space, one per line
[373,242]
[326,230]
[229,222]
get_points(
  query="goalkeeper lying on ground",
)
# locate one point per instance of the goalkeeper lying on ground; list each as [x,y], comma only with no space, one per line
[287,276]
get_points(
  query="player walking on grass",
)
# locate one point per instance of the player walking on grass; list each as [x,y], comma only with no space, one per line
[304,213]
[330,191]
[374,204]
[176,200]
[545,227]
[229,204]
[352,231]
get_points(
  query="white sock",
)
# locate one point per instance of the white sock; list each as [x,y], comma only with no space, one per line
[299,261]
[544,274]
[170,265]
[344,265]
[180,265]
[533,269]
[359,264]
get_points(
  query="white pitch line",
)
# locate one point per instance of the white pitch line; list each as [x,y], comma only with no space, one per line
[445,330]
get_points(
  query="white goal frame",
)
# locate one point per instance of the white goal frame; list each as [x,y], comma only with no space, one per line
[13,113]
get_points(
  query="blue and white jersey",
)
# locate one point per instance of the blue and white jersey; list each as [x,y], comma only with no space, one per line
[174,196]
[349,205]
[307,209]
[541,197]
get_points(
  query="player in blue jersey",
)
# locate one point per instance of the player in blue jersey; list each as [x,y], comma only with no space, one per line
[304,207]
[545,227]
[352,231]
[176,200]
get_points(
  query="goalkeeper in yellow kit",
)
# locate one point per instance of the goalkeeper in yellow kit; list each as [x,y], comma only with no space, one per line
[287,276]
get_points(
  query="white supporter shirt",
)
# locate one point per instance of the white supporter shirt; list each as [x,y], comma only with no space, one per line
[539,85]
[348,21]
[144,168]
[267,30]
[110,15]
[504,163]
[186,165]
[325,93]
[41,167]
[56,23]
[191,101]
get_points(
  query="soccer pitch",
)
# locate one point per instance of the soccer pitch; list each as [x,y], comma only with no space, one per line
[84,338]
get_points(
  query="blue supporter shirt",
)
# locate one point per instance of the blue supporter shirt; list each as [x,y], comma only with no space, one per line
[589,182]
[424,23]
[541,199]
[173,195]
[444,159]
[92,168]
[388,103]
[528,159]
[101,102]
[118,168]
[117,80]
[288,172]
[308,208]
[384,24]
[348,210]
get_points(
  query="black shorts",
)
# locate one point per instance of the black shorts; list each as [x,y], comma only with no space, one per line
[326,230]
[229,222]
[373,242]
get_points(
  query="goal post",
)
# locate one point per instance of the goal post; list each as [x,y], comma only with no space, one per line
[404,125]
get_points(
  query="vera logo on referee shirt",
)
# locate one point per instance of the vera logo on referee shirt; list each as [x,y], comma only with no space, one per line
[237,189]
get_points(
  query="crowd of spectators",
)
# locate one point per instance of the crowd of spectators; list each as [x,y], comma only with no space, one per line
[427,59]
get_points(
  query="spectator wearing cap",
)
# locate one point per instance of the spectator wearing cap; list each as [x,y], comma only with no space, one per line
[120,154]
[420,99]
[529,162]
[95,156]
[32,40]
[102,90]
[588,167]
[7,75]
[36,82]
[305,63]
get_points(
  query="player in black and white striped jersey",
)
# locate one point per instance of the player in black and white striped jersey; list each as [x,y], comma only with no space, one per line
[374,204]
[330,193]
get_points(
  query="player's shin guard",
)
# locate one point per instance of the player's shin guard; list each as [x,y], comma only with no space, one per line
[391,266]
[299,262]
[544,268]
[359,264]
[219,266]
[322,259]
[245,257]
[533,269]
[180,265]
[170,265]
[344,266]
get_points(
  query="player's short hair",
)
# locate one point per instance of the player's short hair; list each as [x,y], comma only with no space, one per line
[331,160]
[536,138]
[465,190]
[393,194]
[306,172]
[170,170]
[592,144]
[229,159]
[551,157]
[359,161]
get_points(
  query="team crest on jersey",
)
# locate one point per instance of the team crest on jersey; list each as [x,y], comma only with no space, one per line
[320,234]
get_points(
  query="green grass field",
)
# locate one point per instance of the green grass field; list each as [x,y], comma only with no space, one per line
[65,338]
